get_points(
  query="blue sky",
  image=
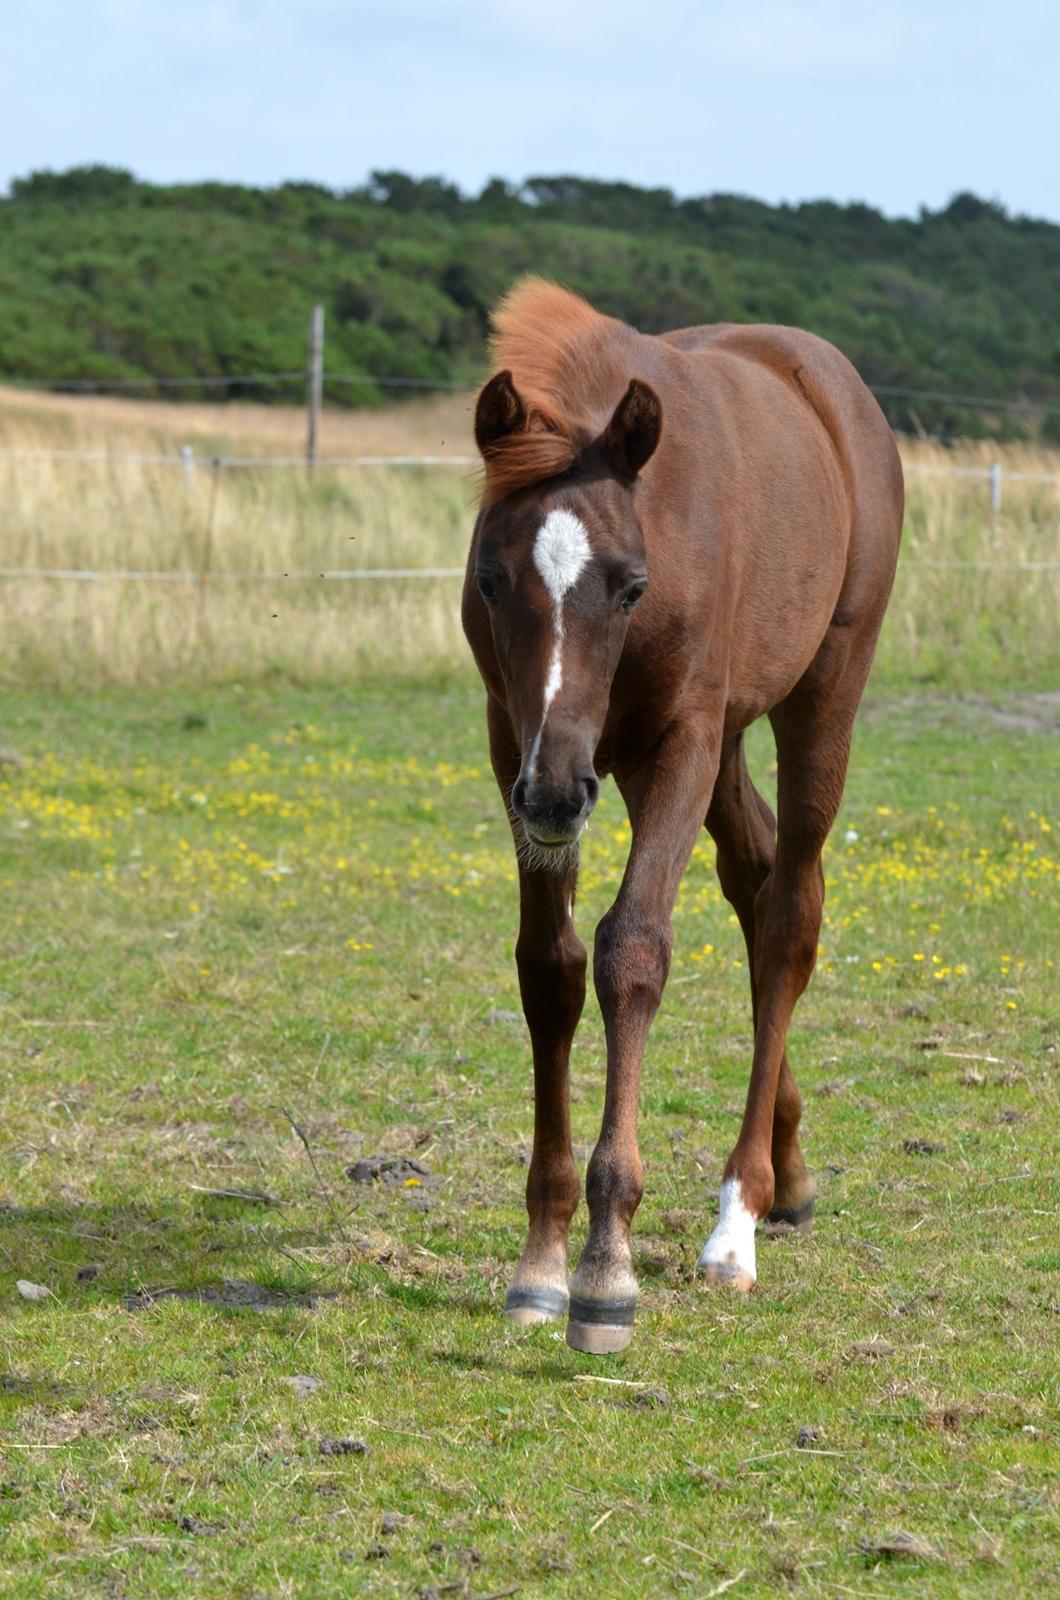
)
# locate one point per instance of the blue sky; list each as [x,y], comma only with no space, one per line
[892,102]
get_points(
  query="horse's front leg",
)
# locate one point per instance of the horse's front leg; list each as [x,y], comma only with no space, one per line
[551,962]
[632,959]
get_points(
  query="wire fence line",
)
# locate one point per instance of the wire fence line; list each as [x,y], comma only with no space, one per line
[234,380]
[976,401]
[1016,404]
[49,385]
[339,575]
[190,462]
[187,461]
[390,574]
[929,469]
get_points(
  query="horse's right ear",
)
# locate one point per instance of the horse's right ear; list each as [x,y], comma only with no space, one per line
[499,411]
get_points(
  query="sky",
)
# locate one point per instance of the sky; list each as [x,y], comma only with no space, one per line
[895,103]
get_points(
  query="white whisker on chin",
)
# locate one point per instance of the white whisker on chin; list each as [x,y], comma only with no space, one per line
[537,857]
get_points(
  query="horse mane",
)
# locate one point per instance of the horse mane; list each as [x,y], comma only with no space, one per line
[563,358]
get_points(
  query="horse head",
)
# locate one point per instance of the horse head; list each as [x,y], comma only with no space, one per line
[558,565]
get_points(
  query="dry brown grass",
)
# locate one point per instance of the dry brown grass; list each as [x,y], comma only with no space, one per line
[984,623]
[421,425]
[140,516]
[976,598]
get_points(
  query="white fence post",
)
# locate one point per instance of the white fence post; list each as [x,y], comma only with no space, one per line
[206,560]
[995,491]
[187,461]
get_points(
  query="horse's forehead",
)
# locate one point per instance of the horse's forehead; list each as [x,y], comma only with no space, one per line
[561,551]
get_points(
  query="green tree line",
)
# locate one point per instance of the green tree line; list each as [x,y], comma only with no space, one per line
[104,277]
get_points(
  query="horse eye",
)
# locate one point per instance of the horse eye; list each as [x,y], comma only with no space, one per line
[487,589]
[633,594]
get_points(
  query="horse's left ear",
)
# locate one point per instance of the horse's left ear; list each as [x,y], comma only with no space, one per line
[633,432]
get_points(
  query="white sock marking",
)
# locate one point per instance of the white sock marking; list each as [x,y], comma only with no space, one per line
[561,553]
[732,1244]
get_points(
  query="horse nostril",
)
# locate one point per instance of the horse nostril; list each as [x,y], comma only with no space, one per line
[519,795]
[592,791]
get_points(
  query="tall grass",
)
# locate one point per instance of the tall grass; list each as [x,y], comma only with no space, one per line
[965,611]
[976,597]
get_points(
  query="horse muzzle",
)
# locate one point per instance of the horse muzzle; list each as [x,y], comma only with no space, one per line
[554,817]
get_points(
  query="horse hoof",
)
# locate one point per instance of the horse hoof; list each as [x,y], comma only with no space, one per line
[726,1272]
[600,1327]
[527,1305]
[799,1217]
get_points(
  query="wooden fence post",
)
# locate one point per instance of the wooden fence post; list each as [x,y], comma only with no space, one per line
[316,381]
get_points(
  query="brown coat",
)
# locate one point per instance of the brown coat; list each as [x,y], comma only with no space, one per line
[678,535]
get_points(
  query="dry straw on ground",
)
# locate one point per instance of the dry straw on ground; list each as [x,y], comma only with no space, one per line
[971,589]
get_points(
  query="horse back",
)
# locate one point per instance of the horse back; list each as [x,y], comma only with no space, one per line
[822,380]
[791,510]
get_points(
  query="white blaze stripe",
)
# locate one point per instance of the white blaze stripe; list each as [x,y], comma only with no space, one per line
[555,666]
[561,553]
[732,1244]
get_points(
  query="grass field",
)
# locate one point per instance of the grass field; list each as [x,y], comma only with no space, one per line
[254,933]
[974,608]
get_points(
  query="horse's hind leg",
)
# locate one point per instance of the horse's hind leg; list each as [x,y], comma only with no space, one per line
[551,962]
[813,730]
[744,831]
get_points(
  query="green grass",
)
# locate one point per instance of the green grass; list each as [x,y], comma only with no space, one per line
[221,907]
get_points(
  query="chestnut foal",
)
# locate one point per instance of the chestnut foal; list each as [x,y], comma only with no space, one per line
[678,534]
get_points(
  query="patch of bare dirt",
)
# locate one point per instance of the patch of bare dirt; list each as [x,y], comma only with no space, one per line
[404,1170]
[874,1349]
[899,1544]
[342,1447]
[1014,713]
[234,1294]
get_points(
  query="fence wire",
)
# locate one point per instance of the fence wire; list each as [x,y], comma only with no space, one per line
[1019,404]
[215,465]
[191,462]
